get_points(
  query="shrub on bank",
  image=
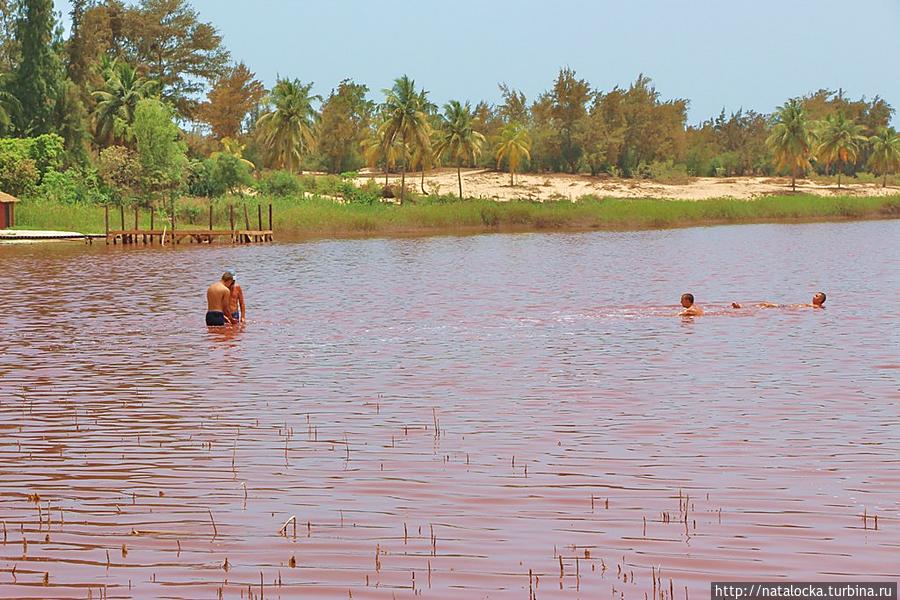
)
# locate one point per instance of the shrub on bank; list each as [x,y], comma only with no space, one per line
[217,176]
[18,177]
[280,184]
[25,161]
[369,193]
[72,186]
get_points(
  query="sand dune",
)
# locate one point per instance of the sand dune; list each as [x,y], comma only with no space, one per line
[481,183]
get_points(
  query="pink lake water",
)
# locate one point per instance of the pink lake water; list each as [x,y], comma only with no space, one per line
[496,416]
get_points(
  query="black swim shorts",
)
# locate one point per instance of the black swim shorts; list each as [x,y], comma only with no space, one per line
[215,318]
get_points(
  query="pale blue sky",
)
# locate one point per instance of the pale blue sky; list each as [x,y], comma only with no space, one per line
[716,53]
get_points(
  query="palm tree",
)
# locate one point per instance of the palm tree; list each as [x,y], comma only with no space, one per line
[791,139]
[514,145]
[405,121]
[885,157]
[375,149]
[117,101]
[458,138]
[288,131]
[839,141]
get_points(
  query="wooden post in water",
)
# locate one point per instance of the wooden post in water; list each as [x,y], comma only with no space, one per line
[174,239]
[270,216]
[231,220]
[246,217]
[152,215]
[106,221]
[259,214]
[210,216]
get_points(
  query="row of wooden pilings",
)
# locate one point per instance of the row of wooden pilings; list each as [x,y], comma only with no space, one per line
[151,235]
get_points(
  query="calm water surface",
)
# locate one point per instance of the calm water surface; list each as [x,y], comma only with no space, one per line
[445,416]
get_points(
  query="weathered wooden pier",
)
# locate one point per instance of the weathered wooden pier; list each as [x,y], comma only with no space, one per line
[169,232]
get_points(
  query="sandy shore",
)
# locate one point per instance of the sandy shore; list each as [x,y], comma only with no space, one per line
[492,184]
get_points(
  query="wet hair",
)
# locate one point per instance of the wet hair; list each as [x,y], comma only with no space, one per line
[688,297]
[820,294]
[227,276]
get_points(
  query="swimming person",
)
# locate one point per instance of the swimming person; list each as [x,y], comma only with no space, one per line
[818,301]
[687,301]
[236,307]
[218,301]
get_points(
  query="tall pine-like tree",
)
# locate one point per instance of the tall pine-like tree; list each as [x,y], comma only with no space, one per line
[38,78]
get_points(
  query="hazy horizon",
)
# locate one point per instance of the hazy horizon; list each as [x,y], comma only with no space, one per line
[716,58]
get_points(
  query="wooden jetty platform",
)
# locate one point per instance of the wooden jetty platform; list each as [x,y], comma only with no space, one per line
[25,235]
[171,234]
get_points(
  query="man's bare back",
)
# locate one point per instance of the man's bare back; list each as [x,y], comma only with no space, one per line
[218,300]
[218,297]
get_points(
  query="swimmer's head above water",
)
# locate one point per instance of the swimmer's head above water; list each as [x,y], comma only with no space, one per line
[690,310]
[818,300]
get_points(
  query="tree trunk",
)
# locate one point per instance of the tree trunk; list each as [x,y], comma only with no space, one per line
[839,180]
[793,182]
[884,179]
[422,184]
[403,170]
[512,181]
[459,178]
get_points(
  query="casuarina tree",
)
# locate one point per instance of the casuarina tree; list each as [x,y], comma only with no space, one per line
[39,75]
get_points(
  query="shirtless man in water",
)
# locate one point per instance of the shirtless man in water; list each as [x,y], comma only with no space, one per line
[818,301]
[218,301]
[687,301]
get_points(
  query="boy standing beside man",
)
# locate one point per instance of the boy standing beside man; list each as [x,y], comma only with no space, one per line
[237,308]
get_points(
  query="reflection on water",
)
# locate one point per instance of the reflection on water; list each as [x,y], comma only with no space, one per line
[444,416]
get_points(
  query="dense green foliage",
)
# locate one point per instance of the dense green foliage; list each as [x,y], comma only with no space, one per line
[161,155]
[24,162]
[142,102]
[38,76]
